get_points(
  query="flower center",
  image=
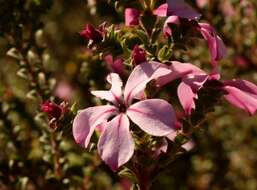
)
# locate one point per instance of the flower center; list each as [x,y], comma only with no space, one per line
[122,108]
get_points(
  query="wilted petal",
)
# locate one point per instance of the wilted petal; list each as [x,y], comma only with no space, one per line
[86,120]
[186,97]
[131,16]
[242,94]
[116,145]
[140,76]
[181,9]
[154,116]
[170,20]
[161,10]
[115,94]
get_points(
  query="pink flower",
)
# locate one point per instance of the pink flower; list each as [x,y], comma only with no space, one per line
[138,55]
[192,80]
[154,116]
[242,94]
[90,33]
[53,110]
[115,65]
[216,45]
[131,17]
[177,8]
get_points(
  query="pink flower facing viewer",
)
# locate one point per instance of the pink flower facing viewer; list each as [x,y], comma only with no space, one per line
[154,116]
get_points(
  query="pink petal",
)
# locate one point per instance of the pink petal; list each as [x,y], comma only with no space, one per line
[201,3]
[242,94]
[216,45]
[115,94]
[86,121]
[116,145]
[160,149]
[115,65]
[189,145]
[243,85]
[179,70]
[170,20]
[161,10]
[131,16]
[182,9]
[195,82]
[154,116]
[172,136]
[186,97]
[140,76]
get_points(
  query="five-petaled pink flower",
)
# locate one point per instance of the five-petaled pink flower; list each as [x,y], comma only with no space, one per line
[154,116]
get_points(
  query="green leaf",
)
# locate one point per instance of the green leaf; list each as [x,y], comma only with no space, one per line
[165,53]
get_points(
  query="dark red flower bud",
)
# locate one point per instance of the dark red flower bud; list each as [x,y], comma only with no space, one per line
[53,110]
[90,33]
[138,55]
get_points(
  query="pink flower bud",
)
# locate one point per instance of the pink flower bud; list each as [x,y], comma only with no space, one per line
[90,33]
[131,17]
[138,55]
[53,110]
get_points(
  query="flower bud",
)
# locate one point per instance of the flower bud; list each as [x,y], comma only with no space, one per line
[90,33]
[138,55]
[53,110]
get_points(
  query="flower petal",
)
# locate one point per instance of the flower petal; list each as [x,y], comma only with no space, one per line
[116,145]
[140,76]
[186,97]
[115,65]
[113,95]
[243,85]
[154,116]
[181,9]
[169,21]
[86,121]
[161,10]
[242,94]
[131,17]
[216,45]
[179,70]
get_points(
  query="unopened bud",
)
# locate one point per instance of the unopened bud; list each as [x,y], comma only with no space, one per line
[90,33]
[138,55]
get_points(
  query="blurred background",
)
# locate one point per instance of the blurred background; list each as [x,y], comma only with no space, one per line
[47,34]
